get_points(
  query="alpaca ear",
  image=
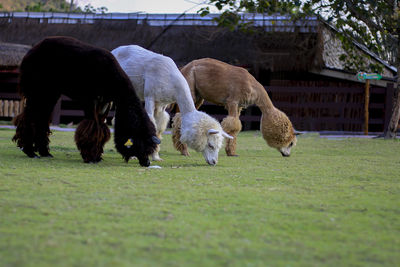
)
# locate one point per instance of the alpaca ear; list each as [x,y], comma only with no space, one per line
[212,131]
[156,140]
[297,132]
[224,134]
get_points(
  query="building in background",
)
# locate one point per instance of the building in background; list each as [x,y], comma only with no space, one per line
[297,61]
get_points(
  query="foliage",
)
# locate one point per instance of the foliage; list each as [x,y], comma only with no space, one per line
[232,9]
[378,33]
[49,6]
[91,9]
[373,24]
[39,7]
[332,203]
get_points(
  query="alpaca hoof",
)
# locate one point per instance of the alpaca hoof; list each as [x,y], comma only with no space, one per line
[94,161]
[234,155]
[46,155]
[32,155]
[185,153]
[156,157]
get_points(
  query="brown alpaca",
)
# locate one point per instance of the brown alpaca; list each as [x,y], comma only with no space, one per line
[235,88]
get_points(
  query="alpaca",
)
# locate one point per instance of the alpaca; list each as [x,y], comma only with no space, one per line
[92,77]
[159,83]
[235,88]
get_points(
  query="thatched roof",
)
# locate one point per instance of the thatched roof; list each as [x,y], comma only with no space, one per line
[278,44]
[11,54]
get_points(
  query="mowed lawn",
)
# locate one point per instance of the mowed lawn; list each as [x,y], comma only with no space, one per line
[332,203]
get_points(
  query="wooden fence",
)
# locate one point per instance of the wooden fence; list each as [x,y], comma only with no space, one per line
[333,108]
[309,108]
[323,108]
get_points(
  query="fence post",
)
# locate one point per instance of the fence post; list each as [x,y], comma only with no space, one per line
[5,109]
[366,108]
[57,113]
[388,105]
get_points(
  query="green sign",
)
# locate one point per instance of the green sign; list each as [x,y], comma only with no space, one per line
[368,76]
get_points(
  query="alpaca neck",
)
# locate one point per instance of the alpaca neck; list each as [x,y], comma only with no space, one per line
[126,105]
[184,99]
[263,102]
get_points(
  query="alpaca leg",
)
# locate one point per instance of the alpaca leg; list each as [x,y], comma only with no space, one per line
[90,137]
[24,133]
[161,118]
[92,133]
[176,135]
[43,131]
[232,126]
[149,106]
[42,139]
[32,133]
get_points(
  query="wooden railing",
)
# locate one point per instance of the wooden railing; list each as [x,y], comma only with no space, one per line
[334,108]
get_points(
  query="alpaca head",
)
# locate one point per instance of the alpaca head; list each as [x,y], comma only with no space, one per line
[137,147]
[203,134]
[278,131]
[139,142]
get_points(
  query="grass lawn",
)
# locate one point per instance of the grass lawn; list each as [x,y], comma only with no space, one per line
[332,203]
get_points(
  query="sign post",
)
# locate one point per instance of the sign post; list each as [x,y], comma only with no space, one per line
[362,76]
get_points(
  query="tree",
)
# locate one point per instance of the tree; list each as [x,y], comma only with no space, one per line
[91,9]
[373,24]
[49,6]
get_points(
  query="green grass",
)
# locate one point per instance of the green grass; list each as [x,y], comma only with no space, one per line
[332,203]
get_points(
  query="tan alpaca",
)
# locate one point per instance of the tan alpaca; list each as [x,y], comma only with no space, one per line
[235,88]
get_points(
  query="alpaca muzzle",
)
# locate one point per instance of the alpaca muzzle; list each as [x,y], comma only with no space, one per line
[284,154]
[145,162]
[211,162]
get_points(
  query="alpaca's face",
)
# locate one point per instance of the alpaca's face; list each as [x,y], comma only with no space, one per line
[215,139]
[203,134]
[139,149]
[285,150]
[278,132]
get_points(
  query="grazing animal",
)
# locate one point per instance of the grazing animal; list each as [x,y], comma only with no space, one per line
[235,88]
[158,81]
[92,77]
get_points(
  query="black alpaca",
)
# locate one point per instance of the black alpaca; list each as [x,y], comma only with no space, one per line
[91,76]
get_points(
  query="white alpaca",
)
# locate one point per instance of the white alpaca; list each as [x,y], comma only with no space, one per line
[158,82]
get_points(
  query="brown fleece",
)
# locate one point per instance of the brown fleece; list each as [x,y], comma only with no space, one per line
[176,135]
[231,126]
[277,130]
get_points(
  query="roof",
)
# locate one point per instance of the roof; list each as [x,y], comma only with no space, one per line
[11,55]
[275,23]
[279,50]
[365,50]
